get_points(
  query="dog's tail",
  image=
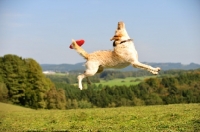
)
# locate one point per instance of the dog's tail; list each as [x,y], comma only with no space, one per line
[80,50]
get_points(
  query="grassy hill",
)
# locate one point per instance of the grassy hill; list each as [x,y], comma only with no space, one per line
[9,107]
[177,117]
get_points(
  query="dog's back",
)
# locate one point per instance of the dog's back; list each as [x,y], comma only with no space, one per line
[108,59]
[104,58]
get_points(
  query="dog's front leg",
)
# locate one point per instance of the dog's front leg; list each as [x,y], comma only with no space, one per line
[146,67]
[80,78]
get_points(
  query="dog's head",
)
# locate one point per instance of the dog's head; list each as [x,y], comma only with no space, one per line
[120,33]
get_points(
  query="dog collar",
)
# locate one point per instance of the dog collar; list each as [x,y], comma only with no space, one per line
[126,41]
[122,42]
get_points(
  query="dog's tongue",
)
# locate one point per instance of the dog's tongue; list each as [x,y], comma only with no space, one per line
[79,42]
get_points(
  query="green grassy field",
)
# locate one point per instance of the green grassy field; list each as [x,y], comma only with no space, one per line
[167,118]
[120,82]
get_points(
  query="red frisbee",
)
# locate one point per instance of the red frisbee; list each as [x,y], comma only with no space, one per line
[79,42]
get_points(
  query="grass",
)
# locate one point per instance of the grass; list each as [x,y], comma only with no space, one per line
[10,108]
[120,82]
[168,118]
[60,74]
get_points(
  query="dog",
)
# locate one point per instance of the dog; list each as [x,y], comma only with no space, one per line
[123,55]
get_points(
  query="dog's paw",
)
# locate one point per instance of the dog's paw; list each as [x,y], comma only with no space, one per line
[154,72]
[158,69]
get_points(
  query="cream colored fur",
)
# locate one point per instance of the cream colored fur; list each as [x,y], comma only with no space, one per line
[123,55]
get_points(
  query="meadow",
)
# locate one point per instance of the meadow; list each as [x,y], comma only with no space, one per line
[111,82]
[168,118]
[121,82]
[118,81]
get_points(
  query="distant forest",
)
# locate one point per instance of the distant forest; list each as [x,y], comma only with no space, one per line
[23,83]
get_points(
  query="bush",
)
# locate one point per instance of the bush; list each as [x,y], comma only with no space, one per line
[84,104]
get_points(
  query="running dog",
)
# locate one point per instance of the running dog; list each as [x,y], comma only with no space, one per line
[123,55]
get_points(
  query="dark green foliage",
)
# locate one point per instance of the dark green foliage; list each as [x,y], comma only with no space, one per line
[183,88]
[3,92]
[22,82]
[14,76]
[56,99]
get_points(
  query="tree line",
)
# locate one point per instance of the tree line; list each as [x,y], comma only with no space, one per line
[184,88]
[71,78]
[22,82]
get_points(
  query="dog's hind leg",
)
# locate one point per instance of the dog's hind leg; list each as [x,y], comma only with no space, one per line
[88,80]
[146,67]
[100,69]
[91,69]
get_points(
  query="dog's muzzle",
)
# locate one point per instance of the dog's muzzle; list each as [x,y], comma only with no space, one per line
[114,43]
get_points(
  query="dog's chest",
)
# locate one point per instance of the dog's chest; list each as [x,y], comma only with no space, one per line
[126,51]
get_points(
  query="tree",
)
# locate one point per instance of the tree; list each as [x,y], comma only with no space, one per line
[153,99]
[14,74]
[56,99]
[37,83]
[3,92]
[24,81]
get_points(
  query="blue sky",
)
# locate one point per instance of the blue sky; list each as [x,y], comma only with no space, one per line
[163,30]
